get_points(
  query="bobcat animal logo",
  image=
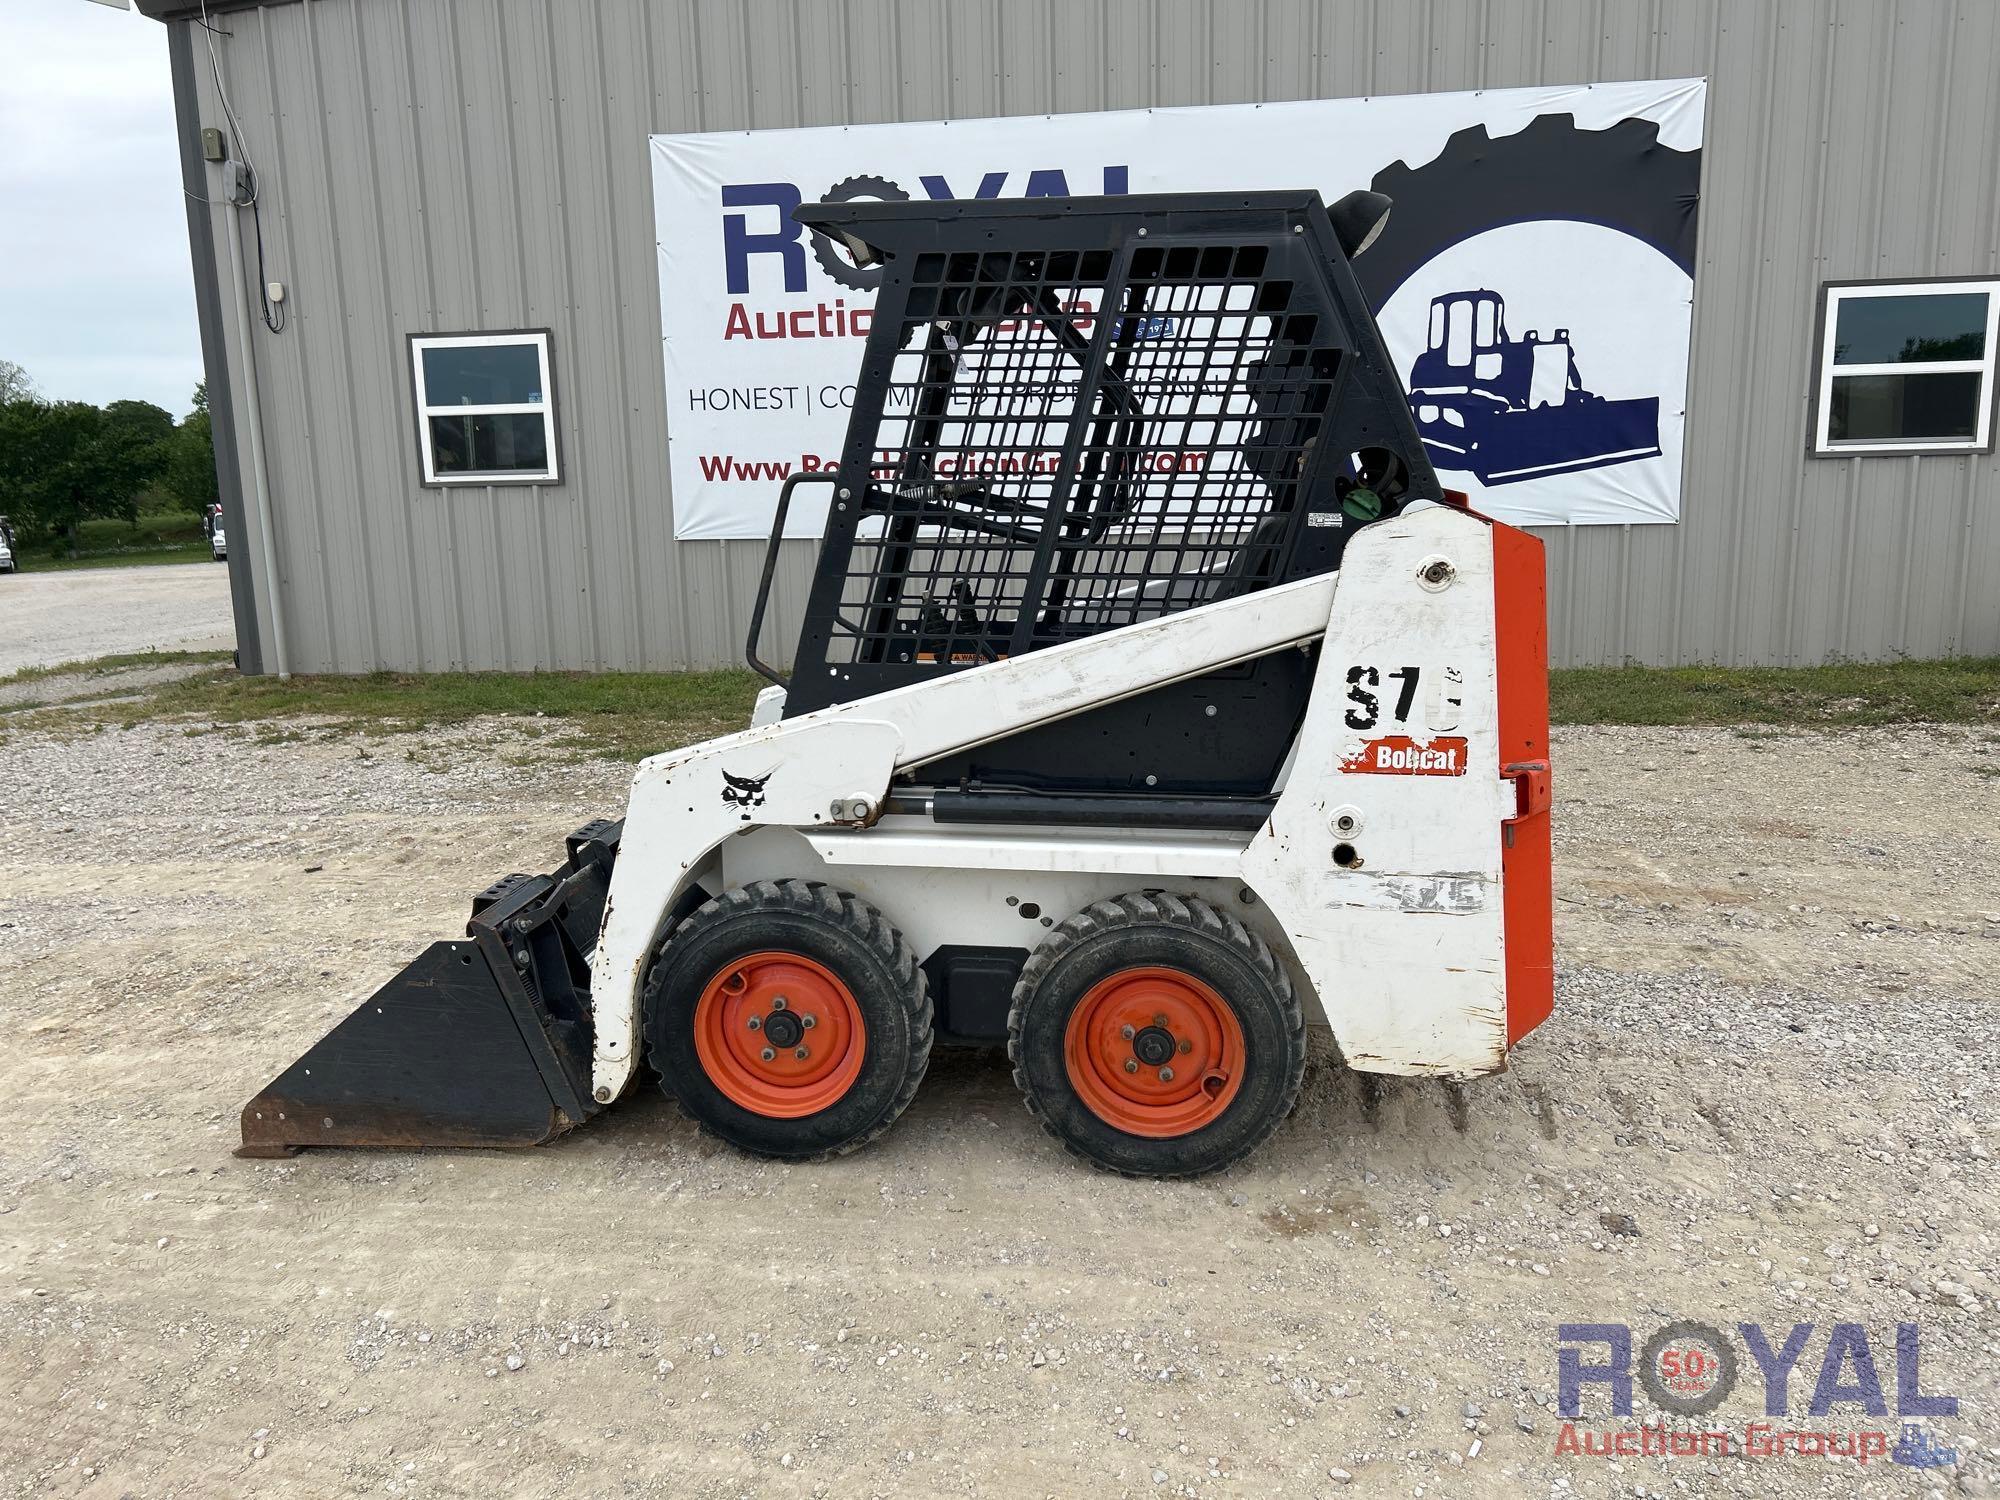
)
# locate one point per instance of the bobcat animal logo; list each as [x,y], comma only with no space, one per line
[744,791]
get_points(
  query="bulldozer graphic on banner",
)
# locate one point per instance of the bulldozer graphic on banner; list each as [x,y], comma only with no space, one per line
[1512,409]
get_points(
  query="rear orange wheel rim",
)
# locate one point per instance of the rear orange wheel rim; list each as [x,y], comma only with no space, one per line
[1154,1052]
[779,1034]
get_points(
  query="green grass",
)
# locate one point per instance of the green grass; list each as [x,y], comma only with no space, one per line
[623,714]
[168,537]
[630,715]
[99,666]
[1965,690]
[76,694]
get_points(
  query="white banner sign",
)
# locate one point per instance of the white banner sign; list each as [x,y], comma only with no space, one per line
[1534,284]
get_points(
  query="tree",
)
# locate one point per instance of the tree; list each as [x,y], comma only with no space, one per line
[141,437]
[66,462]
[190,476]
[134,442]
[18,420]
[36,440]
[14,383]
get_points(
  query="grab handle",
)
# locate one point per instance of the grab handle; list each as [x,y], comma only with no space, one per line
[1532,793]
[756,662]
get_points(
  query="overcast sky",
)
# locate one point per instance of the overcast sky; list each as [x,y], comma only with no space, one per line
[96,298]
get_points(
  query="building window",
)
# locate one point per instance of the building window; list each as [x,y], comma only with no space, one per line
[486,411]
[1907,367]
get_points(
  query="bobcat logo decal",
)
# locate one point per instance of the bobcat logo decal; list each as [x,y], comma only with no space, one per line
[745,792]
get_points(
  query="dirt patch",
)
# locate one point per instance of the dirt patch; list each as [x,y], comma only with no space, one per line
[1291,1223]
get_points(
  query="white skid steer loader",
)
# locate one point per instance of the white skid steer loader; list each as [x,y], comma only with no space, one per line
[1152,701]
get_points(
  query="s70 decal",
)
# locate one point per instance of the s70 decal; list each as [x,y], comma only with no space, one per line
[1413,711]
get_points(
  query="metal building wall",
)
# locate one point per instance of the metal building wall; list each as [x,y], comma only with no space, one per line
[434,165]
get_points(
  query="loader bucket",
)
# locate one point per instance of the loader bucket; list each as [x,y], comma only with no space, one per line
[480,1042]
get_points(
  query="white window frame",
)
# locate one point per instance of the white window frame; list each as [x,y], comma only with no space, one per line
[546,407]
[1834,294]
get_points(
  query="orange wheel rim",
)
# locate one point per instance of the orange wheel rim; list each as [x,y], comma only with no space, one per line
[779,1034]
[1154,1052]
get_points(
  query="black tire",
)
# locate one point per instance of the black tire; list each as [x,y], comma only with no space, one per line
[1157,931]
[836,265]
[834,929]
[1620,177]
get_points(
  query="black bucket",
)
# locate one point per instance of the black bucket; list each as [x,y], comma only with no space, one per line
[483,1042]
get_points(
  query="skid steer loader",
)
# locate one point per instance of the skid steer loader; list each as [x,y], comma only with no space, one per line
[1152,700]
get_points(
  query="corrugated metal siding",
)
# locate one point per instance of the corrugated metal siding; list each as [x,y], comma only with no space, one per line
[438,165]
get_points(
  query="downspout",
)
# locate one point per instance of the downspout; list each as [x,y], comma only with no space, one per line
[253,424]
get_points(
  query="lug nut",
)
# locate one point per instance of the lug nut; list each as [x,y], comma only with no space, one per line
[1131,1064]
[767,1054]
[802,1054]
[1160,1021]
[809,1022]
[1126,1032]
[778,1002]
[1166,1075]
[756,1023]
[1186,1046]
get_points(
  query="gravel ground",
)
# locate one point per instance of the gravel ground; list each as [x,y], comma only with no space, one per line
[1768,1095]
[48,618]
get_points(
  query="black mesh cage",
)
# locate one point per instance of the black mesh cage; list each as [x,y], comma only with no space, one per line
[1078,414]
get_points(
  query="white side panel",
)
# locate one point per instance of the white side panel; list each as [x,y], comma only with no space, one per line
[1402,737]
[931,905]
[923,845]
